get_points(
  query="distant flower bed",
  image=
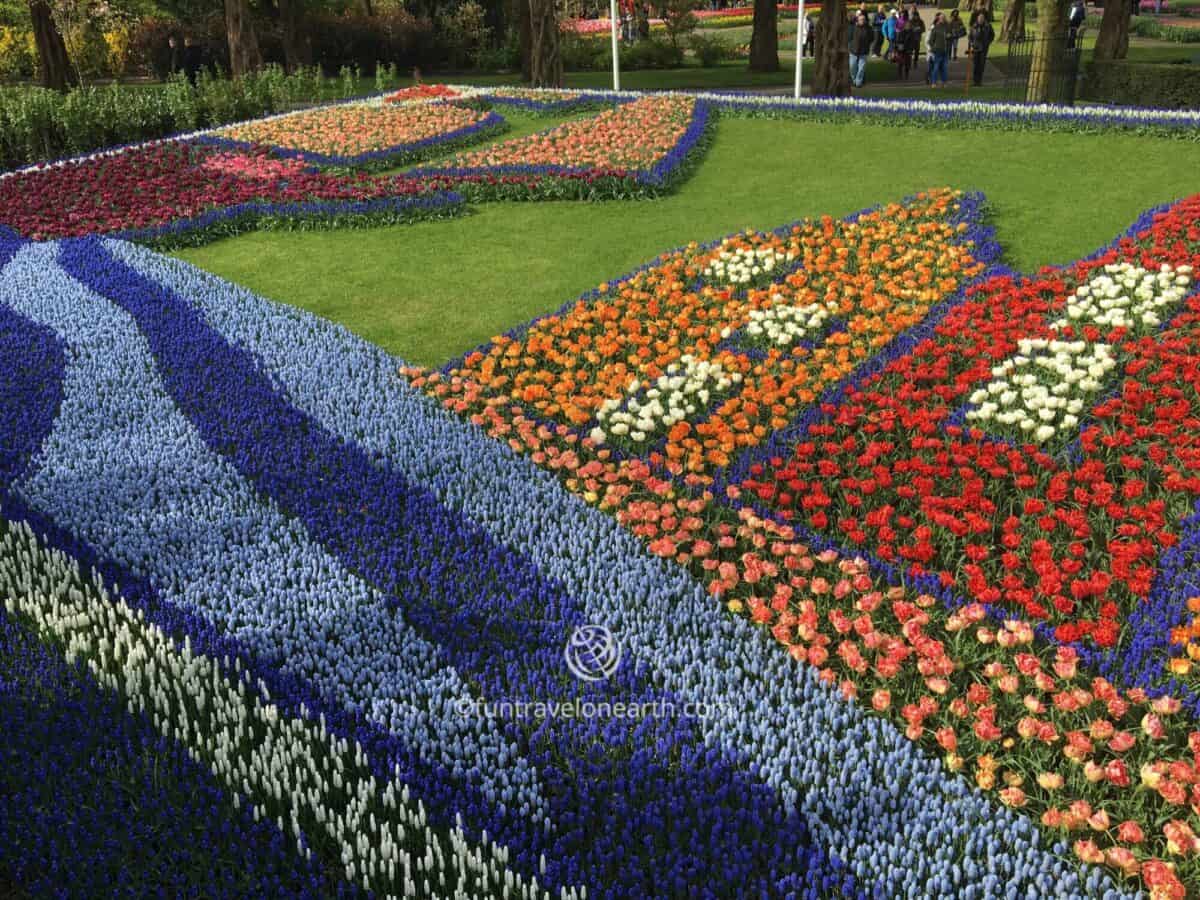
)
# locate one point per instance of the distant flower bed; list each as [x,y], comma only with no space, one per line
[357,134]
[422,92]
[543,101]
[634,148]
[599,26]
[183,187]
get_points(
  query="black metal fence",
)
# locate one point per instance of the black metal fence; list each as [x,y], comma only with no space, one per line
[1053,64]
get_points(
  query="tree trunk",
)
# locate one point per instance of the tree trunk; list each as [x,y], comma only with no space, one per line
[545,62]
[1123,41]
[764,40]
[831,63]
[1047,64]
[244,55]
[52,51]
[525,38]
[1112,41]
[1013,26]
[291,14]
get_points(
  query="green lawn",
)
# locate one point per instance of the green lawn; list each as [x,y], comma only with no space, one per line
[432,290]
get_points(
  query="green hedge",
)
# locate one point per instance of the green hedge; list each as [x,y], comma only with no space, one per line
[1143,84]
[37,125]
[1147,27]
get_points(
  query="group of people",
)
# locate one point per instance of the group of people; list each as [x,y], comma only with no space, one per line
[188,58]
[897,34]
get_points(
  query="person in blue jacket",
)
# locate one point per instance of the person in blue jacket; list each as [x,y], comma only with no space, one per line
[877,20]
[891,26]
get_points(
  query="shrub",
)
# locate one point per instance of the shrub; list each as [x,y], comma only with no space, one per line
[581,54]
[398,38]
[18,56]
[651,54]
[505,57]
[331,42]
[37,125]
[679,18]
[116,42]
[710,50]
[1142,84]
[1144,26]
[465,33]
[88,51]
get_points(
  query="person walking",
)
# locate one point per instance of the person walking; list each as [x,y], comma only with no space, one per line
[939,49]
[958,31]
[193,60]
[979,40]
[810,35]
[906,41]
[1075,20]
[877,21]
[917,25]
[889,33]
[861,38]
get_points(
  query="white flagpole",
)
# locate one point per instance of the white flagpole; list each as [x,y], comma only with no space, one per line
[799,49]
[612,15]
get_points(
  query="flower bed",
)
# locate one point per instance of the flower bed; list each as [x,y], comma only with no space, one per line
[362,135]
[423,92]
[543,102]
[706,16]
[180,192]
[270,645]
[90,769]
[1075,502]
[373,755]
[274,764]
[1046,718]
[567,366]
[984,673]
[636,149]
[1095,119]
